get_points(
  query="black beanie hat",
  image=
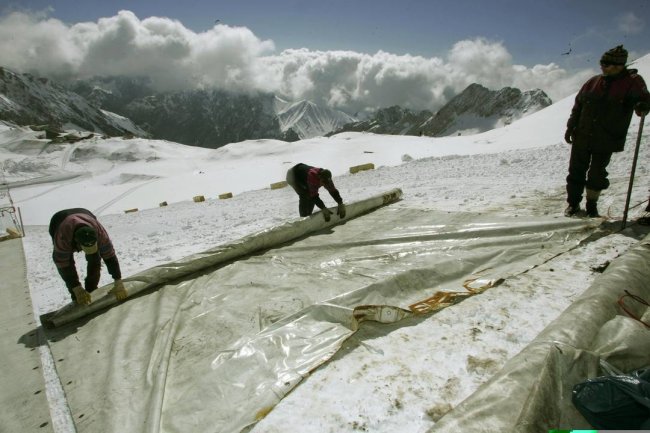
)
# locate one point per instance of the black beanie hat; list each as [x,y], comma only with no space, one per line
[85,236]
[325,174]
[615,56]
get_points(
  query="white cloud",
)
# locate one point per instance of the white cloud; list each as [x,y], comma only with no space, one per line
[172,55]
[33,42]
[234,58]
[557,80]
[354,81]
[629,23]
[481,61]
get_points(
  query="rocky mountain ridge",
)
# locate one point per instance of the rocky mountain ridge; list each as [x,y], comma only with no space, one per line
[29,100]
[206,118]
[212,118]
[476,109]
[393,120]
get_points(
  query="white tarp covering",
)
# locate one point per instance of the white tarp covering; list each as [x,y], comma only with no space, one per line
[214,351]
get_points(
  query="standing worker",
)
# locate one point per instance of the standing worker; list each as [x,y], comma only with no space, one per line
[74,230]
[306,180]
[598,127]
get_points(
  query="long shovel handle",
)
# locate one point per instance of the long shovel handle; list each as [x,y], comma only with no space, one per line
[636,156]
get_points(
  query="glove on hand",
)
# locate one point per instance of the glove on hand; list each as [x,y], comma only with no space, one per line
[81,296]
[340,211]
[119,290]
[327,214]
[568,136]
[642,108]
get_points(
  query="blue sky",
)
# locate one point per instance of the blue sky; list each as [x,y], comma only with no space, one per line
[347,54]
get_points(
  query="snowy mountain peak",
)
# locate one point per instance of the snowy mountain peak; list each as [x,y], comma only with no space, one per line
[280,104]
[310,120]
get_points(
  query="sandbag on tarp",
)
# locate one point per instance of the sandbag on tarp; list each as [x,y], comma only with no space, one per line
[162,274]
[213,352]
[532,392]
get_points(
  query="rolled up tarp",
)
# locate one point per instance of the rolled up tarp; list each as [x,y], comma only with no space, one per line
[265,239]
[532,392]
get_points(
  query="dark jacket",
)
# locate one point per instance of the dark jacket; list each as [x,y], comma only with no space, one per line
[62,227]
[308,181]
[603,109]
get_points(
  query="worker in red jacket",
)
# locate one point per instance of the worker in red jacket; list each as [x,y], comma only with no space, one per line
[306,180]
[75,230]
[598,125]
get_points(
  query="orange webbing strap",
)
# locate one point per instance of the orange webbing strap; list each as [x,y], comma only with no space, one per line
[629,313]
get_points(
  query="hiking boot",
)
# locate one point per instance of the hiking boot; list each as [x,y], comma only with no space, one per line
[644,221]
[592,209]
[572,210]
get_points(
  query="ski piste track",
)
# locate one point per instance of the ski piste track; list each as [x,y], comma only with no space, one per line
[65,177]
[102,208]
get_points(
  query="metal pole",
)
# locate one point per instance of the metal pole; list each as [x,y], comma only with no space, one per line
[22,226]
[636,155]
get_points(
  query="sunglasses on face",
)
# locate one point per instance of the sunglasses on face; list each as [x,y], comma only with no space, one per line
[608,64]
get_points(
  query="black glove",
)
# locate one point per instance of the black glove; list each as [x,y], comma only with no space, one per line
[568,136]
[327,214]
[642,108]
[340,211]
